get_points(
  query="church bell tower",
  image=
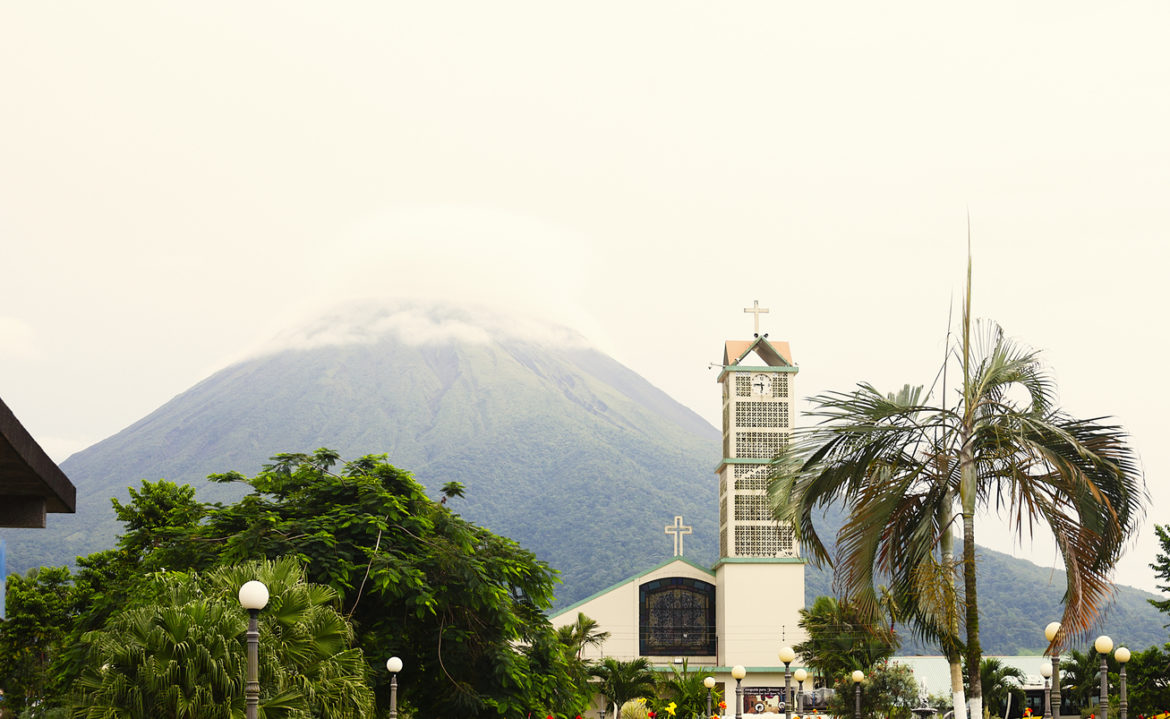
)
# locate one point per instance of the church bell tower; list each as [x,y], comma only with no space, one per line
[760,573]
[757,380]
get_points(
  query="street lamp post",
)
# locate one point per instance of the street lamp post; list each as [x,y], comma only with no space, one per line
[1050,633]
[1104,645]
[709,682]
[858,675]
[787,656]
[739,673]
[1046,672]
[1122,657]
[253,597]
[800,675]
[394,665]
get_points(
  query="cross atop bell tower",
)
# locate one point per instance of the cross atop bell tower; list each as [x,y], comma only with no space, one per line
[756,310]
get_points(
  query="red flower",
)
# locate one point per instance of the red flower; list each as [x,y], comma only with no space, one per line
[650,714]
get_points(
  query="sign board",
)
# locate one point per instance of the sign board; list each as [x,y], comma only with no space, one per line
[763,700]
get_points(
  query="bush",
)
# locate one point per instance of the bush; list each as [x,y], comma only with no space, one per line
[888,692]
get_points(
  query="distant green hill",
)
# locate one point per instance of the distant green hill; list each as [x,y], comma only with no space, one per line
[559,446]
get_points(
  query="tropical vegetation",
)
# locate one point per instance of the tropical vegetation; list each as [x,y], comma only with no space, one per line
[888,691]
[906,469]
[409,577]
[624,681]
[842,639]
[1002,687]
[176,651]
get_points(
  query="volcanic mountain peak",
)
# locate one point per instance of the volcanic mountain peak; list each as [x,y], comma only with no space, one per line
[416,322]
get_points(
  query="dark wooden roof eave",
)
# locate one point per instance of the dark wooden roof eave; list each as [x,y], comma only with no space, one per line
[25,469]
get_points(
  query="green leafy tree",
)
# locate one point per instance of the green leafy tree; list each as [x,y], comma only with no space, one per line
[181,655]
[1148,677]
[158,514]
[888,692]
[841,638]
[1002,443]
[40,608]
[624,681]
[463,607]
[557,677]
[1161,567]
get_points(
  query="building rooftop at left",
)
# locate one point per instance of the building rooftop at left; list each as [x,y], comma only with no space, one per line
[31,484]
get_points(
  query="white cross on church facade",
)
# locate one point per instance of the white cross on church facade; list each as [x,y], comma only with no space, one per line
[678,530]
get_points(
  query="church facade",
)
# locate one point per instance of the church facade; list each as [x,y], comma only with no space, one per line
[745,608]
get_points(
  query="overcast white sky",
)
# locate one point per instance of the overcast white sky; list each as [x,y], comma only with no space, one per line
[180,181]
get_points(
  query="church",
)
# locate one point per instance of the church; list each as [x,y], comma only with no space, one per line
[744,609]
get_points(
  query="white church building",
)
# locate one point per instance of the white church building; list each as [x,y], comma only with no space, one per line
[745,608]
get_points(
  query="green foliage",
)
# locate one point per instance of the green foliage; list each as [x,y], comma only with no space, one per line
[463,607]
[624,681]
[841,638]
[159,513]
[998,682]
[447,596]
[1081,674]
[450,598]
[1161,566]
[685,690]
[181,654]
[41,606]
[1148,679]
[888,692]
[451,489]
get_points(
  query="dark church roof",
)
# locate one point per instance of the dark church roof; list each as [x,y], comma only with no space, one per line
[31,484]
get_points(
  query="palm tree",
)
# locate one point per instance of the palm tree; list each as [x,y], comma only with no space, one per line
[999,681]
[182,656]
[1003,444]
[841,639]
[623,681]
[687,691]
[451,489]
[878,455]
[1080,675]
[584,632]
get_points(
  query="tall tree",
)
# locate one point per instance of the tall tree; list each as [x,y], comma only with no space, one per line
[841,639]
[1161,567]
[40,608]
[1002,444]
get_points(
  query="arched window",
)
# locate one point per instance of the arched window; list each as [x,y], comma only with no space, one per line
[676,617]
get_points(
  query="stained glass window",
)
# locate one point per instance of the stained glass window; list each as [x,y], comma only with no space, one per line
[676,617]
